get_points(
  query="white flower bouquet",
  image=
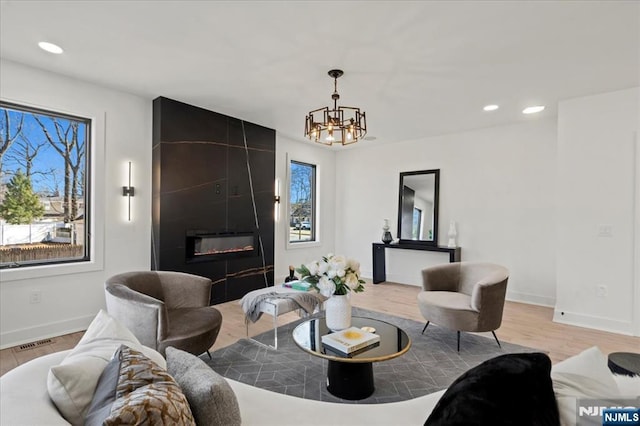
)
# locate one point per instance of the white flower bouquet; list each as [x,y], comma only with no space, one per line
[334,274]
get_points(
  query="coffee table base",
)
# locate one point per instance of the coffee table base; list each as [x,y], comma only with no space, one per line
[348,380]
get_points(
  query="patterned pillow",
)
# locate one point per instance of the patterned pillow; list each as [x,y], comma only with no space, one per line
[72,383]
[143,393]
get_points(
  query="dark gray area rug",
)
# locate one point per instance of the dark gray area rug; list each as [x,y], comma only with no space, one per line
[430,365]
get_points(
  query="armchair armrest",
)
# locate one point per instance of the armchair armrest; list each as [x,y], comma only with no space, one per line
[441,278]
[489,293]
[144,315]
[488,298]
[182,290]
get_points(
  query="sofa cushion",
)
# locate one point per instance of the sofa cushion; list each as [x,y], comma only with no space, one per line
[72,383]
[513,389]
[134,390]
[212,400]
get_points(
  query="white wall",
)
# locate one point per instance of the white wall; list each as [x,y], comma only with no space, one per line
[498,184]
[597,187]
[72,295]
[300,253]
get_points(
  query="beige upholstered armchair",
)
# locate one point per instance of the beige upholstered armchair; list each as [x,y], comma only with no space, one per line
[464,296]
[164,309]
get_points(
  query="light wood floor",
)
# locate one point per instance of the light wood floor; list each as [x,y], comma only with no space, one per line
[522,324]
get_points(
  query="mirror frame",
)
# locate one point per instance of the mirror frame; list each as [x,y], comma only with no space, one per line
[436,191]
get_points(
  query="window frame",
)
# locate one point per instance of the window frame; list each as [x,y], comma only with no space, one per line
[315,214]
[92,257]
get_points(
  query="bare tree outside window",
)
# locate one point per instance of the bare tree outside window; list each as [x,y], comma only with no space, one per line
[302,205]
[43,188]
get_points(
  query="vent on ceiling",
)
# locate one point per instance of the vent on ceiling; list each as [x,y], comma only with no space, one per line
[33,345]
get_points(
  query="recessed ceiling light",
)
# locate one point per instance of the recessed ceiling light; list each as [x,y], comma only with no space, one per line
[490,107]
[50,47]
[370,138]
[533,109]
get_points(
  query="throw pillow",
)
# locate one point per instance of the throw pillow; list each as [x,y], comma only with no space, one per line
[134,390]
[211,398]
[105,394]
[513,389]
[72,383]
[585,375]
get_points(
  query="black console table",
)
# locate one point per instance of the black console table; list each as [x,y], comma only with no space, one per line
[379,261]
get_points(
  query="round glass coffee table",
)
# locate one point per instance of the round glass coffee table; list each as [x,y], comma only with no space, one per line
[351,377]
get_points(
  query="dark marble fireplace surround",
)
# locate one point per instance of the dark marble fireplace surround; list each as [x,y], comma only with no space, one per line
[202,180]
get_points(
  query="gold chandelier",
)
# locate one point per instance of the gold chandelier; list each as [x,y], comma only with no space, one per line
[344,125]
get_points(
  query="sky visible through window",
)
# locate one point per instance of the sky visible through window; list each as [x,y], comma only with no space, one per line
[47,166]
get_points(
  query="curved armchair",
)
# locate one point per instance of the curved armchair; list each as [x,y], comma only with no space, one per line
[464,296]
[163,308]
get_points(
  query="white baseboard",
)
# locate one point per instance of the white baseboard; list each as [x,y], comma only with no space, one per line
[46,331]
[531,299]
[590,321]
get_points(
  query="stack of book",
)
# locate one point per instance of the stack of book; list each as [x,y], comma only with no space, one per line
[297,285]
[350,342]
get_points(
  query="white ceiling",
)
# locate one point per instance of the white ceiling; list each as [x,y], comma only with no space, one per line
[417,68]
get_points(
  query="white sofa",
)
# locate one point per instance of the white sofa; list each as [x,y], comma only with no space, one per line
[24,400]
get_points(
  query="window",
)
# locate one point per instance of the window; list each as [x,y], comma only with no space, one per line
[44,200]
[416,231]
[302,202]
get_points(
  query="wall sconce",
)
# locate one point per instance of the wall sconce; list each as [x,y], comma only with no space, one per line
[128,191]
[276,200]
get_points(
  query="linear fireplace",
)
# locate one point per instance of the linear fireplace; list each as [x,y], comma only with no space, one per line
[211,246]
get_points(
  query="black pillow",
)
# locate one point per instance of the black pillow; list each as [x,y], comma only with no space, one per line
[513,389]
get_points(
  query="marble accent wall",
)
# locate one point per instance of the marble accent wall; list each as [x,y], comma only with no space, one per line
[205,179]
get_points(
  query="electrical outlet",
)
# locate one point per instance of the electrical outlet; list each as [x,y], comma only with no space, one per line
[601,290]
[35,297]
[605,231]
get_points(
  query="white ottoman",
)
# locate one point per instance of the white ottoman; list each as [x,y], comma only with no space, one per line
[276,306]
